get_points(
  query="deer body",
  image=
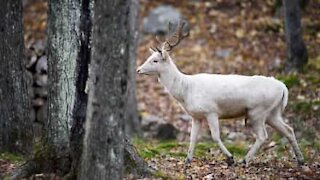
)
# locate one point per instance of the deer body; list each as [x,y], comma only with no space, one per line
[261,100]
[229,96]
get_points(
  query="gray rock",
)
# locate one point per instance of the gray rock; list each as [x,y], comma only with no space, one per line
[166,131]
[157,21]
[42,113]
[41,80]
[42,65]
[37,130]
[155,127]
[222,53]
[40,91]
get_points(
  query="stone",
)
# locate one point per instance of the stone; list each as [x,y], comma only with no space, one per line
[158,19]
[166,132]
[41,80]
[42,113]
[156,127]
[42,65]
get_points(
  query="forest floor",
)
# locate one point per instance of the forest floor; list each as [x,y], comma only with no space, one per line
[235,37]
[227,37]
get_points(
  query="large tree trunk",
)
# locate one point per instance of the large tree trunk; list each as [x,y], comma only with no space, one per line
[69,29]
[132,125]
[69,55]
[15,124]
[103,151]
[297,54]
[63,49]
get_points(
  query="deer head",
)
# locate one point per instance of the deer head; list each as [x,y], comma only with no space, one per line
[159,60]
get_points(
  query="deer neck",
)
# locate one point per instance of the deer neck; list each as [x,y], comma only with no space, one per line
[174,81]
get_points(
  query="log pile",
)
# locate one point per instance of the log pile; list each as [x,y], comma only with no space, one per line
[37,70]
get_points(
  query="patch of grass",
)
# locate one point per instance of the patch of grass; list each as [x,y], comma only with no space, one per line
[289,80]
[276,137]
[313,79]
[148,152]
[315,62]
[203,148]
[237,150]
[152,149]
[167,145]
[11,157]
[178,154]
[302,106]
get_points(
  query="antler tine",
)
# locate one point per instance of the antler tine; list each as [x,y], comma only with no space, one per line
[159,42]
[178,34]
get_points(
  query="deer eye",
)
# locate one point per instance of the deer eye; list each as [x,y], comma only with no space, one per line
[155,61]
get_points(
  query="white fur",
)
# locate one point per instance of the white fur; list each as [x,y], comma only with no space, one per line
[212,96]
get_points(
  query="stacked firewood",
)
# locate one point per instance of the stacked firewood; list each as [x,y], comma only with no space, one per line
[37,70]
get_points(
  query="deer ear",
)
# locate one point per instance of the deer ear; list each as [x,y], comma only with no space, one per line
[164,54]
[151,50]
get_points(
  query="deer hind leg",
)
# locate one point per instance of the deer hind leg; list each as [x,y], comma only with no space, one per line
[196,125]
[213,122]
[257,121]
[276,122]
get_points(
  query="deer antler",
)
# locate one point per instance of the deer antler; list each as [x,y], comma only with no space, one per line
[179,35]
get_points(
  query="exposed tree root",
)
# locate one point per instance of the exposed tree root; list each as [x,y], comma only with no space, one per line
[46,161]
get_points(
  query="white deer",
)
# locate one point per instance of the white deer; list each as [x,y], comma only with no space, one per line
[261,100]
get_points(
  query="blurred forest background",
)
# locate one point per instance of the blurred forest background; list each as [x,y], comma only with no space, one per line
[226,37]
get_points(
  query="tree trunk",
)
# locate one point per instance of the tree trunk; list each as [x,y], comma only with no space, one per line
[69,30]
[297,54]
[82,71]
[15,123]
[63,48]
[69,45]
[132,125]
[103,149]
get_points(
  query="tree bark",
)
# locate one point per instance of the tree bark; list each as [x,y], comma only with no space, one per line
[103,152]
[69,42]
[15,123]
[297,55]
[132,125]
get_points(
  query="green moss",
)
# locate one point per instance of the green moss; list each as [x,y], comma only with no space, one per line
[289,80]
[178,154]
[161,174]
[12,157]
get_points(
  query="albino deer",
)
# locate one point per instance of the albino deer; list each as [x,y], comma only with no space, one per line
[212,96]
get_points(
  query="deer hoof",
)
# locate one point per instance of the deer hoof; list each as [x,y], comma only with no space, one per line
[188,161]
[301,162]
[230,161]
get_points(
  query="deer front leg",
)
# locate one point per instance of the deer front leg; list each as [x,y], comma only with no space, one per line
[213,122]
[196,124]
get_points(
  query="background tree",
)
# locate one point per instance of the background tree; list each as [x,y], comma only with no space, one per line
[15,124]
[297,54]
[132,125]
